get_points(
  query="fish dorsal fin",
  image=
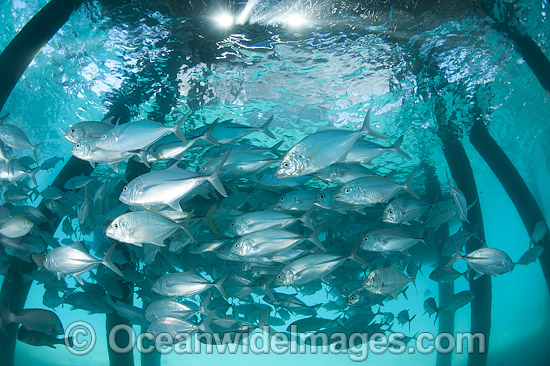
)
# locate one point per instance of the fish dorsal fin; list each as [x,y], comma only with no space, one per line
[174,166]
[80,246]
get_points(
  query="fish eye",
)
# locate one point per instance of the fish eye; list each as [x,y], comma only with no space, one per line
[366,238]
[125,188]
[78,144]
[72,130]
[346,190]
[282,199]
[286,164]
[372,279]
[322,196]
[232,224]
[390,210]
[156,282]
[115,226]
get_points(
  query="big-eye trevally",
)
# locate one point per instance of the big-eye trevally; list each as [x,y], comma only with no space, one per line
[70,260]
[137,135]
[321,149]
[141,227]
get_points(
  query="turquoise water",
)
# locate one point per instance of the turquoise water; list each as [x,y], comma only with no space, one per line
[323,73]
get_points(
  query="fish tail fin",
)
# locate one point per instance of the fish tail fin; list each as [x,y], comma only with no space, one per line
[406,185]
[3,118]
[209,214]
[265,128]
[203,308]
[396,148]
[185,227]
[354,257]
[32,175]
[207,135]
[315,240]
[454,259]
[219,284]
[176,129]
[33,148]
[106,260]
[275,148]
[214,179]
[69,341]
[413,280]
[367,130]
[306,218]
[205,324]
[267,290]
[7,316]
[264,318]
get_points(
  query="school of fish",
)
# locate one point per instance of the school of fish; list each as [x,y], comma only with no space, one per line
[217,232]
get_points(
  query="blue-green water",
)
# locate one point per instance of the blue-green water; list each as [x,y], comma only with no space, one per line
[324,73]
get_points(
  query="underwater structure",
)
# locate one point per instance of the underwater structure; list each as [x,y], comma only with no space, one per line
[243,169]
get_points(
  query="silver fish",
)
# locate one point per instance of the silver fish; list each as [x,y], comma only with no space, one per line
[175,328]
[16,227]
[386,281]
[15,138]
[404,210]
[87,150]
[143,227]
[137,135]
[321,149]
[172,309]
[486,260]
[168,186]
[88,129]
[70,260]
[384,240]
[364,151]
[228,132]
[296,201]
[172,148]
[309,268]
[241,164]
[270,241]
[340,173]
[186,284]
[261,220]
[14,172]
[372,189]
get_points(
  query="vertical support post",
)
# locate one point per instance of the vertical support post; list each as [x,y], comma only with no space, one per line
[514,185]
[481,288]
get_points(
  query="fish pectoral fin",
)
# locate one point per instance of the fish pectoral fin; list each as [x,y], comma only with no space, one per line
[175,205]
[114,166]
[478,275]
[78,277]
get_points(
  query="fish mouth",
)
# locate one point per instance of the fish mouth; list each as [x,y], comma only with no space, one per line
[279,174]
[339,197]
